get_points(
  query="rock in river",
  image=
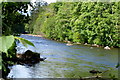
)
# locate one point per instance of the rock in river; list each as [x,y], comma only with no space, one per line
[108,48]
[29,57]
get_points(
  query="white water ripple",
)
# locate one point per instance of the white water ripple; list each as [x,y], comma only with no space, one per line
[19,71]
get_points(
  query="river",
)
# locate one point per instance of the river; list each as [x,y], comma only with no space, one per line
[65,61]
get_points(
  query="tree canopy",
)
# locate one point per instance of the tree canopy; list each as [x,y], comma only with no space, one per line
[13,19]
[84,22]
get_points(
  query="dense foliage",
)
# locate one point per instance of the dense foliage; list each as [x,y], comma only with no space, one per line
[13,21]
[84,22]
[37,9]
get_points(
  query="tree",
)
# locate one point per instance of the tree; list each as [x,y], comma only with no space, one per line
[12,18]
[12,13]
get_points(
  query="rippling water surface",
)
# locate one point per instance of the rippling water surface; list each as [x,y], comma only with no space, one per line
[65,61]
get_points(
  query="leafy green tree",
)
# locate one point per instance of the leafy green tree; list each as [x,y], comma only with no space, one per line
[13,16]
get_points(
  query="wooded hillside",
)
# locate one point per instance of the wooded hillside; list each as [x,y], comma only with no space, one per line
[92,23]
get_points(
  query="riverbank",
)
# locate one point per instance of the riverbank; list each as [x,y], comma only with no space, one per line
[40,35]
[68,43]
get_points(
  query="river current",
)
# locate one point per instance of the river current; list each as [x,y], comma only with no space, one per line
[65,61]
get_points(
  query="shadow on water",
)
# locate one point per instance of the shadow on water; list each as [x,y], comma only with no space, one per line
[66,61]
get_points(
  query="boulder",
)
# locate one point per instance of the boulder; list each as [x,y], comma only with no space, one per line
[69,43]
[29,57]
[107,48]
[95,45]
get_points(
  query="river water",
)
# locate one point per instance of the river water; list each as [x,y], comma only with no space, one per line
[65,61]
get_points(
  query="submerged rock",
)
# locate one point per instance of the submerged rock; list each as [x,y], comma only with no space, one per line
[94,72]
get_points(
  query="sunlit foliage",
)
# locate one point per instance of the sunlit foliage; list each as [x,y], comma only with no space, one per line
[92,23]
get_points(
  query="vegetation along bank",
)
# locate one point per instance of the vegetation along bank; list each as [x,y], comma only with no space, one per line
[80,22]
